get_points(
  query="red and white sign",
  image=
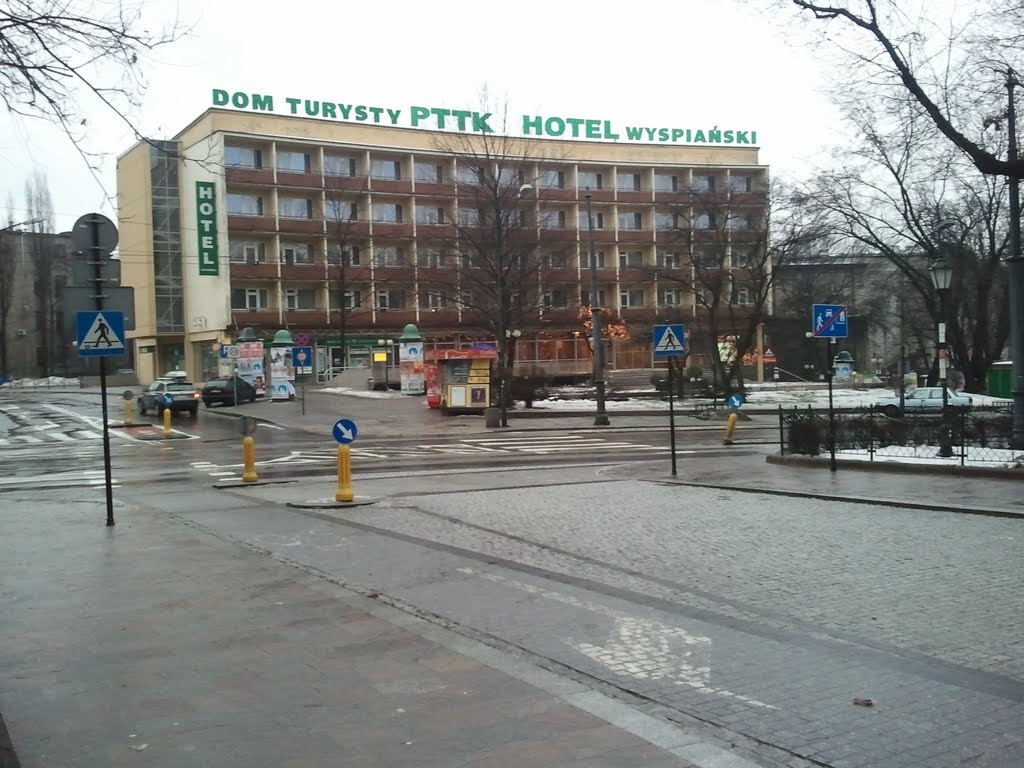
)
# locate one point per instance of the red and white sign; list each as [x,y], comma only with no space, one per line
[769,355]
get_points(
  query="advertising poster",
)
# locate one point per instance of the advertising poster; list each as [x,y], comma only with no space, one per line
[410,361]
[250,365]
[282,373]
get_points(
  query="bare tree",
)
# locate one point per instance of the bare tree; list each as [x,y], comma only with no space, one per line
[734,242]
[53,50]
[944,78]
[898,196]
[497,283]
[346,269]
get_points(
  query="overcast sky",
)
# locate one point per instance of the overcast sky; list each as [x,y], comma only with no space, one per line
[687,63]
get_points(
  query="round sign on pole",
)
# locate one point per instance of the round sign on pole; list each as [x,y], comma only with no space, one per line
[246,425]
[105,231]
[736,400]
[127,394]
[345,431]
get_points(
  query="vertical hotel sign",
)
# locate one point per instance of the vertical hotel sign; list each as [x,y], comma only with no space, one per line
[206,224]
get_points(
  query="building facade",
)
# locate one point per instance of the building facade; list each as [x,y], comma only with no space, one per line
[340,231]
[34,271]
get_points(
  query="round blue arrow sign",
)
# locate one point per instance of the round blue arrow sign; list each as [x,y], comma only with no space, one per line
[345,431]
[167,398]
[736,400]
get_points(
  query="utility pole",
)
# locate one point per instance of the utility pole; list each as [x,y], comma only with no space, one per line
[601,415]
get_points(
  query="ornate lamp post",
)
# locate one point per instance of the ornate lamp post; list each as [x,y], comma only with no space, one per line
[942,278]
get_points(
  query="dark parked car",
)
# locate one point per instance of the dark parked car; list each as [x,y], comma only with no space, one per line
[230,391]
[183,397]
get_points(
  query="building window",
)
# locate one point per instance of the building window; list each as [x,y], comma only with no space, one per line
[428,172]
[296,253]
[469,175]
[664,182]
[349,299]
[242,157]
[631,220]
[294,208]
[552,220]
[249,298]
[339,165]
[431,257]
[585,298]
[741,296]
[555,260]
[436,300]
[245,205]
[598,259]
[296,162]
[343,256]
[629,182]
[597,217]
[556,299]
[670,297]
[703,183]
[669,260]
[738,223]
[388,301]
[589,180]
[633,298]
[389,256]
[386,169]
[704,221]
[631,259]
[739,183]
[387,213]
[299,298]
[665,222]
[551,179]
[247,252]
[341,210]
[427,215]
[705,259]
[470,217]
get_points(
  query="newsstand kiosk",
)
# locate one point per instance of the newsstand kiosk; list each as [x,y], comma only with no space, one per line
[459,380]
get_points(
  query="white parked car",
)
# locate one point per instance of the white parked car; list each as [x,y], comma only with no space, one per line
[922,399]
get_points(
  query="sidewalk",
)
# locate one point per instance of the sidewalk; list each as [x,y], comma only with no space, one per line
[157,643]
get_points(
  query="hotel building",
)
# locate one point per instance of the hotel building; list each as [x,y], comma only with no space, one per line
[272,221]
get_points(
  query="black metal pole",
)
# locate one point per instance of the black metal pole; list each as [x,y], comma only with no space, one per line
[672,415]
[831,409]
[1015,266]
[97,274]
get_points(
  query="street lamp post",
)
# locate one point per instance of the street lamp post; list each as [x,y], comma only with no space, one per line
[942,277]
[600,416]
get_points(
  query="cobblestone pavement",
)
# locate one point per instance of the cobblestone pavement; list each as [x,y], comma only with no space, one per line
[762,615]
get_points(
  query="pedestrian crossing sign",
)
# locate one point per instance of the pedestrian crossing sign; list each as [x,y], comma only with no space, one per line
[100,334]
[670,340]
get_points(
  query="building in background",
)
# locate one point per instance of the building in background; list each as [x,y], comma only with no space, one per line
[265,192]
[38,267]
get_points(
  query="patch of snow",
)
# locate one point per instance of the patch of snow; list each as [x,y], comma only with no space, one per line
[49,381]
[929,454]
[384,394]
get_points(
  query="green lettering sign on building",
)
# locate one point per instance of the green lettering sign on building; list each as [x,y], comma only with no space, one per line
[206,224]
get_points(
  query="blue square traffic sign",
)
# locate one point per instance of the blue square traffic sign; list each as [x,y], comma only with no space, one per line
[829,321]
[670,340]
[100,334]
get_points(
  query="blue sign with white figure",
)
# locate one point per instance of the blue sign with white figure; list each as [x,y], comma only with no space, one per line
[345,431]
[669,340]
[100,334]
[829,321]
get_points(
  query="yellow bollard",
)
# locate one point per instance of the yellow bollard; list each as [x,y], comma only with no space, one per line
[167,422]
[730,427]
[344,474]
[249,457]
[127,413]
